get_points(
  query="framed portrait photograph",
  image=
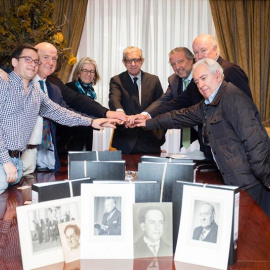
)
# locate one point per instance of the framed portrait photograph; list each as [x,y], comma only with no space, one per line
[205,226]
[38,230]
[106,221]
[152,230]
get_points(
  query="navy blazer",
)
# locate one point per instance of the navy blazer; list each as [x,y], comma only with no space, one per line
[55,95]
[175,88]
[122,96]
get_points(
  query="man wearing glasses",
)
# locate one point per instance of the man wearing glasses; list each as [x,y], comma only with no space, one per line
[21,101]
[132,92]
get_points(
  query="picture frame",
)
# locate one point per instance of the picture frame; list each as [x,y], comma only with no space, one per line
[38,230]
[153,222]
[191,247]
[107,208]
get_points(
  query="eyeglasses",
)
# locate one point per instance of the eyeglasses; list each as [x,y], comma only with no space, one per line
[29,60]
[86,71]
[135,60]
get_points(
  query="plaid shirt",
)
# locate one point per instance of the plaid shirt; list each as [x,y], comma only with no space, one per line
[18,114]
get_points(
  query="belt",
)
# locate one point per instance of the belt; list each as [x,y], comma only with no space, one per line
[14,153]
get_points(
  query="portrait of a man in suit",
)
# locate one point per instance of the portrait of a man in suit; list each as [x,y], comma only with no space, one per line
[208,230]
[151,220]
[111,221]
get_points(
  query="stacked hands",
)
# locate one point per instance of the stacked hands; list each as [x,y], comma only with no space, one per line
[120,118]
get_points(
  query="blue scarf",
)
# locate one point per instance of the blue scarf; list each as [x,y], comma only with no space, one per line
[85,88]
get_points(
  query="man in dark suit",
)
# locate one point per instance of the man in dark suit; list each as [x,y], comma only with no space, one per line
[181,60]
[208,230]
[204,46]
[111,222]
[132,92]
[151,221]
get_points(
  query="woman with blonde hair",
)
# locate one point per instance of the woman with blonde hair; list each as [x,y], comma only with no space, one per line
[85,76]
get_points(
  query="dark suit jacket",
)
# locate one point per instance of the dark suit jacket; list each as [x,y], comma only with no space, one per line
[55,95]
[211,236]
[175,88]
[122,96]
[114,223]
[74,138]
[77,101]
[191,96]
[141,250]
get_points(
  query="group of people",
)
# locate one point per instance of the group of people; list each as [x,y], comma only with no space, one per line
[206,92]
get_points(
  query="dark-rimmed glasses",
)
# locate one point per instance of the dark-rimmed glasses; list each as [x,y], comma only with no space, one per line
[86,71]
[29,60]
[135,60]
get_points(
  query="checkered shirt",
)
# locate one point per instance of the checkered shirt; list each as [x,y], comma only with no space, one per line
[18,114]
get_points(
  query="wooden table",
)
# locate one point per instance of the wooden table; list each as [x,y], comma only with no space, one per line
[253,244]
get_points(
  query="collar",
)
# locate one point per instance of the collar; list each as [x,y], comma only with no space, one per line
[150,243]
[211,98]
[139,76]
[37,78]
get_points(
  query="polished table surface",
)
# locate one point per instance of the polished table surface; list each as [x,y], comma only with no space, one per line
[253,243]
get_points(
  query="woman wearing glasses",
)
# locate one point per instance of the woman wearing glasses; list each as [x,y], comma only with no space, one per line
[85,76]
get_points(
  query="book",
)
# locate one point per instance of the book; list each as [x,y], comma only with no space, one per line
[145,191]
[100,170]
[165,159]
[166,174]
[47,191]
[233,213]
[94,156]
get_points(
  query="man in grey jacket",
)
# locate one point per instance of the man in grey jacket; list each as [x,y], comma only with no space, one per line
[231,127]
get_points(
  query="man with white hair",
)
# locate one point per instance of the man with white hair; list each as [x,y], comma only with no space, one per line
[232,129]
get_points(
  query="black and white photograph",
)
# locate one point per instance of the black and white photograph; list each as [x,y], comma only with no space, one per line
[38,230]
[205,221]
[107,215]
[152,229]
[107,221]
[205,226]
[44,225]
[70,234]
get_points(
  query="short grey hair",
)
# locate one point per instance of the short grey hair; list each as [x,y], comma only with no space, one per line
[189,55]
[212,65]
[131,49]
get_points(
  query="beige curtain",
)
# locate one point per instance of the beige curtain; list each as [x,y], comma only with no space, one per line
[72,12]
[242,28]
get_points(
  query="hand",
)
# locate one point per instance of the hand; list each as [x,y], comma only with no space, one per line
[132,118]
[117,115]
[104,122]
[11,172]
[140,123]
[3,75]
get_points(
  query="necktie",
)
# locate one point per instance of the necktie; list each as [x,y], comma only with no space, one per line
[136,88]
[153,249]
[202,236]
[46,134]
[186,131]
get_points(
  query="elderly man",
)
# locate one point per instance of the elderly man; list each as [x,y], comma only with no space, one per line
[231,127]
[21,101]
[204,46]
[111,222]
[151,220]
[209,229]
[132,92]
